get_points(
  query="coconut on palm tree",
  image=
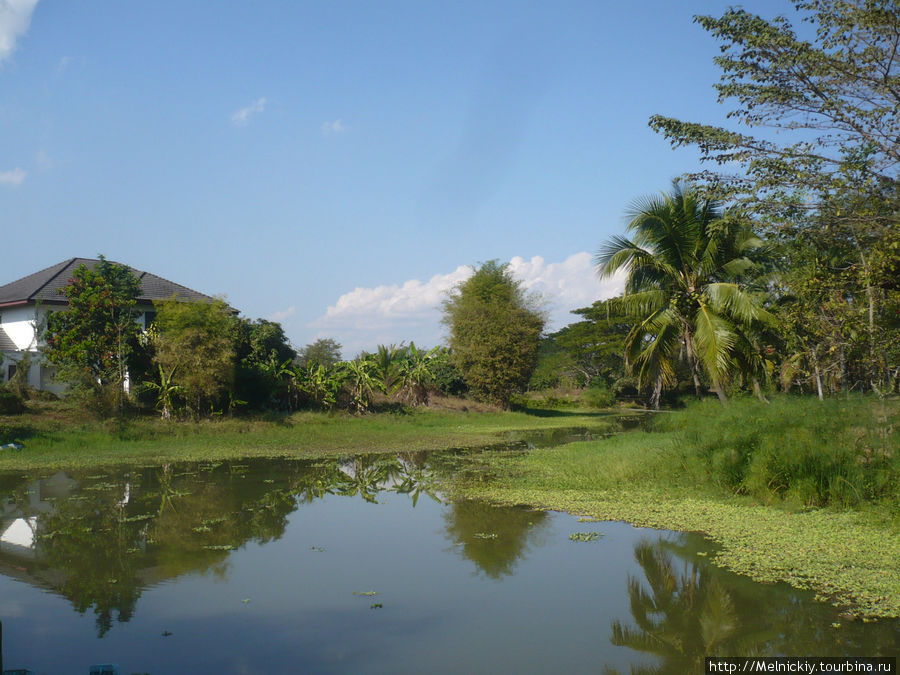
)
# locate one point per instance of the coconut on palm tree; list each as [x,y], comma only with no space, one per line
[687,288]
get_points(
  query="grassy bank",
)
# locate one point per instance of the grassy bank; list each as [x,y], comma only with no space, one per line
[54,436]
[799,491]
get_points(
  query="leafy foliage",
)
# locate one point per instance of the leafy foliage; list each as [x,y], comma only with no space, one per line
[92,339]
[196,339]
[687,290]
[494,333]
[825,186]
[324,351]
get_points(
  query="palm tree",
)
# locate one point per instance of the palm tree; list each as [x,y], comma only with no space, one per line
[687,288]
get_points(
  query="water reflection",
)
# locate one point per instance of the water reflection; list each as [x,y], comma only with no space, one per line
[537,601]
[684,609]
[492,537]
[100,540]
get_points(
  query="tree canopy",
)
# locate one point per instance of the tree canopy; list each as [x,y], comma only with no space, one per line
[195,341]
[494,332]
[824,187]
[90,342]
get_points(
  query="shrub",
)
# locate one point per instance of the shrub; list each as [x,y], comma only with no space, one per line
[597,397]
[11,404]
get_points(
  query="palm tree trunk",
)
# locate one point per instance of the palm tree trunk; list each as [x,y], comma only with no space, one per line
[657,392]
[692,361]
[720,392]
[758,390]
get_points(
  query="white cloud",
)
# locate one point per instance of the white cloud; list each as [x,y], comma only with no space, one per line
[365,317]
[240,118]
[15,15]
[335,127]
[13,176]
[283,314]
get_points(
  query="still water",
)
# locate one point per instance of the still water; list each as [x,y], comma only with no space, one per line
[361,565]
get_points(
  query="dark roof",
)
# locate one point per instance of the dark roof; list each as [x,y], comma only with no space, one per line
[6,343]
[45,286]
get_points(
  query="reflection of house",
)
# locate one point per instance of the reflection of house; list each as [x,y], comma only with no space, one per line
[19,522]
[25,303]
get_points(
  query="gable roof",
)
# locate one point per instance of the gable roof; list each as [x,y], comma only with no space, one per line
[45,286]
[6,343]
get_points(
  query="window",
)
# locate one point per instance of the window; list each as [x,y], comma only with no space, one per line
[10,371]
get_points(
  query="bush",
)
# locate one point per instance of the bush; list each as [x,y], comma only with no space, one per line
[801,451]
[597,397]
[11,404]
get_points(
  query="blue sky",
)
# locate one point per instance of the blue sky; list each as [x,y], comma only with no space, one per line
[336,165]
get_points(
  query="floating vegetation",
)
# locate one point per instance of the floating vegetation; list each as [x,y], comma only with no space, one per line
[220,547]
[317,549]
[101,486]
[376,605]
[134,519]
[245,600]
[485,535]
[268,480]
[585,536]
[166,633]
[367,594]
[588,519]
[213,521]
[200,529]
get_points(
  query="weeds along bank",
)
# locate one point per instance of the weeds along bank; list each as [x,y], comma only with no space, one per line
[53,435]
[799,490]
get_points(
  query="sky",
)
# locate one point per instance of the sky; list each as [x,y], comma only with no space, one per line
[339,166]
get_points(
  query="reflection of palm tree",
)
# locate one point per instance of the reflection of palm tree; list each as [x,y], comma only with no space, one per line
[681,619]
[365,477]
[415,481]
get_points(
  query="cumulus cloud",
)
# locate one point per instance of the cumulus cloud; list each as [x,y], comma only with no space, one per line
[15,15]
[13,176]
[241,118]
[365,317]
[283,314]
[335,127]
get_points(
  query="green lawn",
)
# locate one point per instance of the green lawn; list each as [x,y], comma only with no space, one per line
[55,437]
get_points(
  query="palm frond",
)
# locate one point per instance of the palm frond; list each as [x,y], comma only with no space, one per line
[615,254]
[732,301]
[643,303]
[714,337]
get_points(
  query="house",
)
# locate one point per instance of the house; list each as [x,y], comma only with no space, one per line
[25,303]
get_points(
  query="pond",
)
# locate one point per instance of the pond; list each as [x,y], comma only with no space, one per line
[360,565]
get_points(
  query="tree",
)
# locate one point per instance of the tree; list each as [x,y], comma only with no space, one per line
[587,350]
[687,289]
[263,355]
[832,170]
[91,341]
[194,344]
[324,351]
[494,332]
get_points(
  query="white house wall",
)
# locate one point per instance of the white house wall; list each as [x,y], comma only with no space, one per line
[18,322]
[19,325]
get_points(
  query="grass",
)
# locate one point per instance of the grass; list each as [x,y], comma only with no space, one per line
[703,469]
[55,436]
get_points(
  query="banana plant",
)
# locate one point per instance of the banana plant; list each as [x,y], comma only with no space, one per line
[166,391]
[361,377]
[416,373]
